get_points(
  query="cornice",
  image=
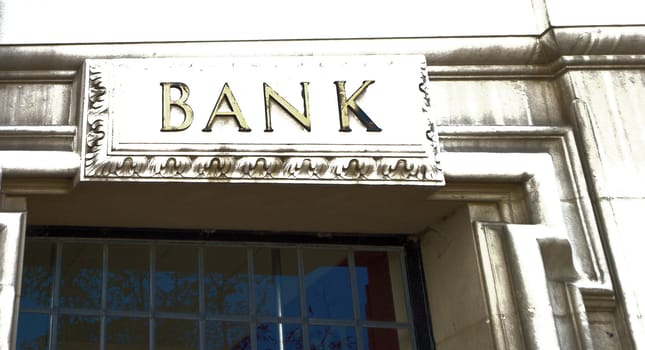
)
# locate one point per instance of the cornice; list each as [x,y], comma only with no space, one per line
[38,138]
[547,54]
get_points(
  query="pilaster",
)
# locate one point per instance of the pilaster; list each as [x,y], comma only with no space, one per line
[12,239]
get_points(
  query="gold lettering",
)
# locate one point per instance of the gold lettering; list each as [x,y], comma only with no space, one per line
[272,95]
[344,104]
[180,102]
[227,95]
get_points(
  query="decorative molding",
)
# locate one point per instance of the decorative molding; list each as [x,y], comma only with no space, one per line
[260,167]
[431,133]
[559,143]
[38,76]
[99,164]
[546,54]
[38,138]
[516,262]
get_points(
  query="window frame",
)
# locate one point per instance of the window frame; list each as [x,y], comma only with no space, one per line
[412,264]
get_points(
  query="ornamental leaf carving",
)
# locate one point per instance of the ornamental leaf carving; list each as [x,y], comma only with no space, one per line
[130,166]
[119,167]
[398,169]
[431,133]
[353,168]
[259,167]
[170,166]
[299,167]
[213,167]
[97,93]
[97,111]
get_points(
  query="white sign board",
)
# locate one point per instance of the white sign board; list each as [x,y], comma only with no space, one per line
[355,119]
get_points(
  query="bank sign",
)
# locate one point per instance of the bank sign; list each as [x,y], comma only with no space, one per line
[351,119]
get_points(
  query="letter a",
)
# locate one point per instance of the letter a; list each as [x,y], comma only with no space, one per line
[235,112]
[180,102]
[344,104]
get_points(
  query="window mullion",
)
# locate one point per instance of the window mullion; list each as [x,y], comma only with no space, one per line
[303,300]
[202,299]
[276,271]
[103,311]
[355,300]
[252,313]
[151,314]
[55,307]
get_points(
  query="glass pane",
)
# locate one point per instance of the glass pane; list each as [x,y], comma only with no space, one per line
[269,336]
[78,332]
[177,334]
[227,336]
[386,339]
[176,279]
[226,280]
[126,333]
[33,331]
[128,278]
[81,275]
[276,281]
[380,286]
[332,337]
[37,274]
[329,294]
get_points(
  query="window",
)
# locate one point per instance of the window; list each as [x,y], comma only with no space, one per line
[156,293]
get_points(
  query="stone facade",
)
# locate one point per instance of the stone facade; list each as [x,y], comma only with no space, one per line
[534,242]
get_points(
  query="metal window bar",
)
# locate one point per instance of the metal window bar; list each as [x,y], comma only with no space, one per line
[53,335]
[151,309]
[202,298]
[276,269]
[104,279]
[304,316]
[355,300]
[252,314]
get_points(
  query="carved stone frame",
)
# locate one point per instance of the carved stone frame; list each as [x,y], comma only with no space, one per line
[99,164]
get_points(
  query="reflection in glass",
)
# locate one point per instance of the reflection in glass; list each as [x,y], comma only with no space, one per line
[126,333]
[81,275]
[226,281]
[332,337]
[177,279]
[329,294]
[78,332]
[386,339]
[38,274]
[219,318]
[227,336]
[276,282]
[33,331]
[128,277]
[380,286]
[177,334]
[270,335]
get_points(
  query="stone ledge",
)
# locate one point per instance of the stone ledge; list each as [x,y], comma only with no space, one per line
[38,138]
[39,164]
[547,54]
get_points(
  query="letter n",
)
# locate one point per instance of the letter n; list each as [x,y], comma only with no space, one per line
[272,95]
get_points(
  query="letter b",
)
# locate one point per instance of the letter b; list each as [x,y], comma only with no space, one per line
[180,102]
